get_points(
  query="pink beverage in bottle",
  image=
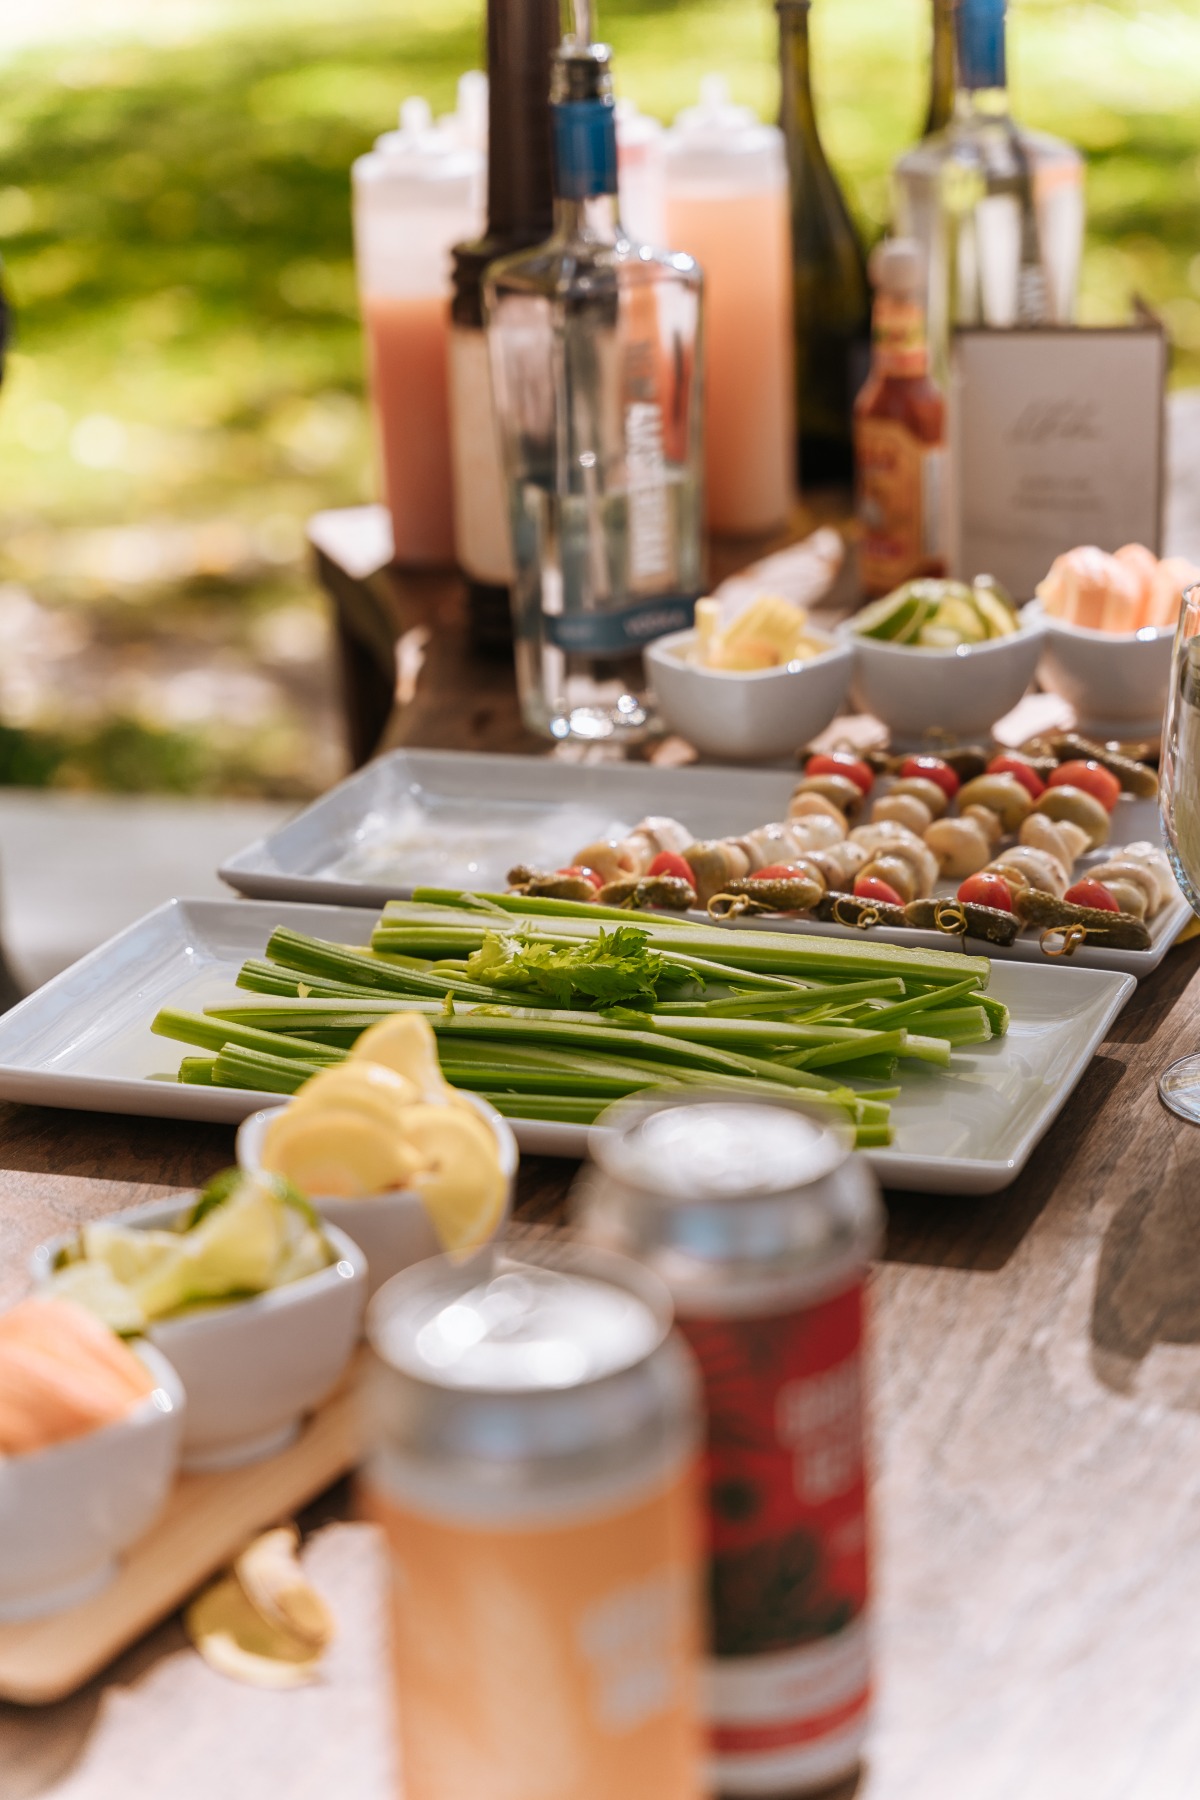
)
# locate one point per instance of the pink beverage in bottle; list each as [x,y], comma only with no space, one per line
[762,1224]
[415,195]
[535,1470]
[727,205]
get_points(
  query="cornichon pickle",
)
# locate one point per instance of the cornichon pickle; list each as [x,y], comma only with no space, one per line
[991,923]
[1106,930]
[848,909]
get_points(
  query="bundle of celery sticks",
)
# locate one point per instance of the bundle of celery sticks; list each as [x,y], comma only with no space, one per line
[553,1009]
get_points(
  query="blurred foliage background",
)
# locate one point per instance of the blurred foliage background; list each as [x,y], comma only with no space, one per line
[187,383]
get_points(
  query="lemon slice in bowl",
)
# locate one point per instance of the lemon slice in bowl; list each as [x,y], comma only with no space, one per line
[337,1151]
[368,1088]
[458,1176]
[405,1044]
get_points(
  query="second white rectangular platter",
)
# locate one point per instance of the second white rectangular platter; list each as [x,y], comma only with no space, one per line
[448,818]
[84,1041]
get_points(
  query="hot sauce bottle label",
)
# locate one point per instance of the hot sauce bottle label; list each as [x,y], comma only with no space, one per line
[785,1474]
[898,340]
[899,485]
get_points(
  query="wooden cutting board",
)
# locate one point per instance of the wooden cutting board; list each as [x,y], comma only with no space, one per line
[207,1521]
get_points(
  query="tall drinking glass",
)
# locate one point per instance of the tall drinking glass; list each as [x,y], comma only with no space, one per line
[1179,800]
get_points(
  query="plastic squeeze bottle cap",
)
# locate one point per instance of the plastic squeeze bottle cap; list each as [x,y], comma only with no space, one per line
[717,141]
[469,120]
[416,193]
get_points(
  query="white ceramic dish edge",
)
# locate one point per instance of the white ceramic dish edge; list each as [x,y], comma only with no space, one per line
[52,1018]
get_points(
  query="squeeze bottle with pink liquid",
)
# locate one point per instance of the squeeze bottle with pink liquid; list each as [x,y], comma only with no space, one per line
[415,195]
[727,205]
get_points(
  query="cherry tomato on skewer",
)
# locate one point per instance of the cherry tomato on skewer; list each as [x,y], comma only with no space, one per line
[870,887]
[667,862]
[986,890]
[1092,777]
[596,880]
[931,768]
[1092,893]
[776,872]
[837,762]
[1025,773]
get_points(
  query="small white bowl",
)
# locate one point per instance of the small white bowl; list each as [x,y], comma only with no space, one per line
[392,1229]
[67,1512]
[960,693]
[252,1369]
[759,714]
[1117,681]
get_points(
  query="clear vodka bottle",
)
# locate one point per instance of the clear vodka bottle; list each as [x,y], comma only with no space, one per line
[594,344]
[997,209]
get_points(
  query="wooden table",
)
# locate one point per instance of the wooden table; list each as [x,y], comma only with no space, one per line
[1037,1418]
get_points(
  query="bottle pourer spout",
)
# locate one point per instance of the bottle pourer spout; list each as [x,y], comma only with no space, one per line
[415,115]
[581,22]
[714,92]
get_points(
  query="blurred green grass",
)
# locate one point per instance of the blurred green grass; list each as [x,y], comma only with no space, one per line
[174,218]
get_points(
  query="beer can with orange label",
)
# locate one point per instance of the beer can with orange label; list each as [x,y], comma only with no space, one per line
[762,1223]
[536,1437]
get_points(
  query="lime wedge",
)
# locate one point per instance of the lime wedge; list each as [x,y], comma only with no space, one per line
[128,1253]
[958,614]
[999,620]
[895,619]
[94,1286]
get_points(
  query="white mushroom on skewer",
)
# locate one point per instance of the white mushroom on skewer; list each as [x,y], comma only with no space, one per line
[611,858]
[839,789]
[715,863]
[906,810]
[987,820]
[1155,860]
[892,839]
[899,873]
[816,833]
[1125,877]
[1040,869]
[839,864]
[1058,837]
[960,846]
[802,806]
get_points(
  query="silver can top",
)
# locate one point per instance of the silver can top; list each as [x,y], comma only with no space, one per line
[707,1183]
[556,1368]
[524,1329]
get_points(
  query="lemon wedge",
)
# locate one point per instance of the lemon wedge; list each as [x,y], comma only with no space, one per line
[339,1152]
[368,1088]
[458,1174]
[404,1043]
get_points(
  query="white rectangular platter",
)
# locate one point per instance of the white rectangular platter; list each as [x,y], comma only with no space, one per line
[84,1040]
[447,818]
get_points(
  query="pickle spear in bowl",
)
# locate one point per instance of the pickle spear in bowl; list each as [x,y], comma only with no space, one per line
[401,1161]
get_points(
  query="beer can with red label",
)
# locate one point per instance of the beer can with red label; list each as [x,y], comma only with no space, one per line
[762,1223]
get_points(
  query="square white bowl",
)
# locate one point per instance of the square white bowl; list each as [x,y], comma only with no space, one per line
[66,1512]
[922,695]
[393,1229]
[251,1369]
[755,715]
[1116,681]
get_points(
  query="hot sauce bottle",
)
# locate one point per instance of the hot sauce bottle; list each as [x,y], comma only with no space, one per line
[899,430]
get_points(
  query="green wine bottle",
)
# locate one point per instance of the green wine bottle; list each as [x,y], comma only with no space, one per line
[941,68]
[831,294]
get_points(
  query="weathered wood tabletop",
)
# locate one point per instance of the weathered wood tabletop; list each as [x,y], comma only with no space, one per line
[1036,1414]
